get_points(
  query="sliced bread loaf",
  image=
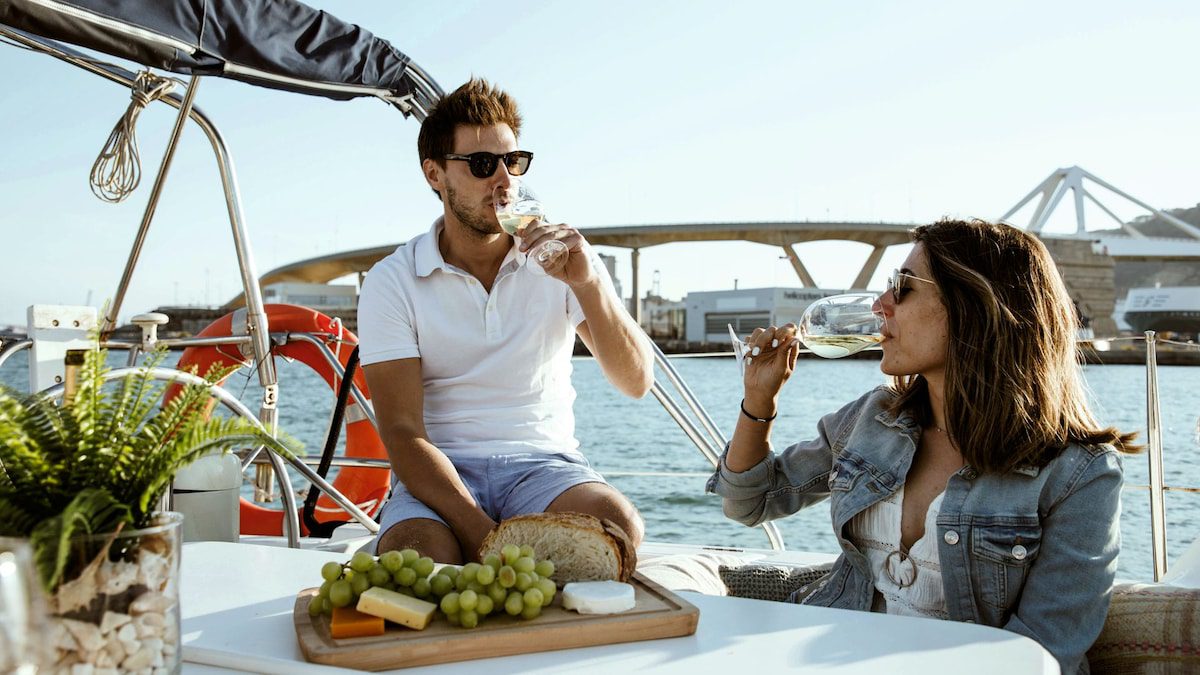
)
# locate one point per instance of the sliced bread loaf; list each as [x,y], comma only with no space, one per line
[582,547]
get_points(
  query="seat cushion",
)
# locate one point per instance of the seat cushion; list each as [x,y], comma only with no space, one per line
[1151,628]
[769,582]
[688,572]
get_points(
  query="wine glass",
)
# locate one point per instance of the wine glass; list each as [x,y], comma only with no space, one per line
[23,618]
[740,349]
[841,325]
[517,207]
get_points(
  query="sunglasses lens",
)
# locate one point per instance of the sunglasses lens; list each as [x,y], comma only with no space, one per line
[894,286]
[517,162]
[483,164]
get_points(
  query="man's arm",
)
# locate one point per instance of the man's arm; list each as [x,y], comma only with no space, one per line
[613,337]
[398,396]
[619,345]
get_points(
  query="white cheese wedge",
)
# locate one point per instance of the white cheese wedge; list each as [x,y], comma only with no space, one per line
[396,607]
[598,597]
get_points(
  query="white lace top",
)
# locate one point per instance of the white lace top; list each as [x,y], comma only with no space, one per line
[909,585]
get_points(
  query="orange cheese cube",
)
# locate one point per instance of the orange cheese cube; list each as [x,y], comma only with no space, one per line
[347,623]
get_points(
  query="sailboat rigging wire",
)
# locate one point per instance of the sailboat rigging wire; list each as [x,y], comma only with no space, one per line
[118,169]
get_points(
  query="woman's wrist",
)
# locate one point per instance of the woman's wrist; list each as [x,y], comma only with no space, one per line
[759,409]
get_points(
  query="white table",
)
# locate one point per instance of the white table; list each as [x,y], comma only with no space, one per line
[237,604]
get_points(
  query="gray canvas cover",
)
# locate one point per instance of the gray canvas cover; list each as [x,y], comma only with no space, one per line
[282,44]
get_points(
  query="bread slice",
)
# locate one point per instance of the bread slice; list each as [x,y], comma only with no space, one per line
[582,547]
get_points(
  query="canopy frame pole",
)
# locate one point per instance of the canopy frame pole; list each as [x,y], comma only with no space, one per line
[256,316]
[110,319]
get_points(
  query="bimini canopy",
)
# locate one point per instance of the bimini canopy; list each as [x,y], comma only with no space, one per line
[280,44]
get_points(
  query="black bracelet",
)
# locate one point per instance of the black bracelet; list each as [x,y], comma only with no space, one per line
[764,420]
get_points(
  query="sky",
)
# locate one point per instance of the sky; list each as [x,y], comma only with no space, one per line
[638,113]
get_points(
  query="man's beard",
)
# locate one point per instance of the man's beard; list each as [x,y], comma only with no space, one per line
[474,221]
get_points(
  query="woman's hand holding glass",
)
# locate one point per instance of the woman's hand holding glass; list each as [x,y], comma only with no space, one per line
[770,359]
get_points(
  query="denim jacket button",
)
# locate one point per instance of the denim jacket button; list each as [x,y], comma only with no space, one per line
[1019,552]
[951,537]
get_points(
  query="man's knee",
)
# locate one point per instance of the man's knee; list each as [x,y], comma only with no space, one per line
[429,537]
[603,501]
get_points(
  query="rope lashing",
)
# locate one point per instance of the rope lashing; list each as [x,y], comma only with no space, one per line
[118,169]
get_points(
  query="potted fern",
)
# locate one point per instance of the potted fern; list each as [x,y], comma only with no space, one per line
[82,480]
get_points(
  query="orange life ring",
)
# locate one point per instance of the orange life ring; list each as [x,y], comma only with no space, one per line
[366,487]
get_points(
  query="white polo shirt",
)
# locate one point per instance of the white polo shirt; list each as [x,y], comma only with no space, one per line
[496,367]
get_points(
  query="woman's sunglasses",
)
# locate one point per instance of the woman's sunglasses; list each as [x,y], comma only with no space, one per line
[483,164]
[898,284]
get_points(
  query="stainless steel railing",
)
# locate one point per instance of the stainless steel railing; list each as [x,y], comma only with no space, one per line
[705,436]
[1158,526]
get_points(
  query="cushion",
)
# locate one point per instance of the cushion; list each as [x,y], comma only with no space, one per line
[1151,628]
[770,582]
[683,572]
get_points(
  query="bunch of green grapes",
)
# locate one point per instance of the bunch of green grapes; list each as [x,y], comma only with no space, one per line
[404,571]
[513,582]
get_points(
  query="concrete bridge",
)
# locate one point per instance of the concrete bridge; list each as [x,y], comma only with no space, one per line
[636,237]
[1085,258]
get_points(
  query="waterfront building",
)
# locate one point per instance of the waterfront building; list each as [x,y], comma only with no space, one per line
[710,312]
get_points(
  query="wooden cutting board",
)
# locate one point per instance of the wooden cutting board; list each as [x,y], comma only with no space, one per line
[659,613]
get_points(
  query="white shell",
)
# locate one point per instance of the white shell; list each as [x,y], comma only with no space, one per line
[151,601]
[113,621]
[152,570]
[116,578]
[142,659]
[87,635]
[150,624]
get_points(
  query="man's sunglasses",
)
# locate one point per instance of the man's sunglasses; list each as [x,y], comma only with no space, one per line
[483,164]
[898,283]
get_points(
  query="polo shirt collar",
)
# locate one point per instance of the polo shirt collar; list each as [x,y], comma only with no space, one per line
[428,256]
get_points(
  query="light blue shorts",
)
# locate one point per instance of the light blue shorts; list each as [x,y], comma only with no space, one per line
[503,485]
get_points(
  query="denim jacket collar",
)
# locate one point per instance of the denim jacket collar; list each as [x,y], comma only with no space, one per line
[905,424]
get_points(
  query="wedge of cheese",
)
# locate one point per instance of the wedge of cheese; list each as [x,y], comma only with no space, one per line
[347,623]
[599,597]
[396,607]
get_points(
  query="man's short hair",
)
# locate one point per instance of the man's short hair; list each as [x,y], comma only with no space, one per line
[476,103]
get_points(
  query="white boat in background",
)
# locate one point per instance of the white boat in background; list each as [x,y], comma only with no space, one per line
[236,618]
[1168,308]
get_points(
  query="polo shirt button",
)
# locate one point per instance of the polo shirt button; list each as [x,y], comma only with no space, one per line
[951,537]
[1019,552]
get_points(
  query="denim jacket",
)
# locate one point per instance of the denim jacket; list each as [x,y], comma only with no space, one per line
[1033,551]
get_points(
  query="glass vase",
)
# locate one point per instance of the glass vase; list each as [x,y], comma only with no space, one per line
[22,611]
[117,606]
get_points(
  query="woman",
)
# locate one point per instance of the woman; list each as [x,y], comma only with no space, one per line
[977,486]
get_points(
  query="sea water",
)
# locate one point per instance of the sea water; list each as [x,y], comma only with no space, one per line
[644,453]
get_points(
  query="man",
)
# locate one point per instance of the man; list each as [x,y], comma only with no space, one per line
[467,351]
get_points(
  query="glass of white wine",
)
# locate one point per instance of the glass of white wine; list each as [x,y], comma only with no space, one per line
[841,325]
[516,208]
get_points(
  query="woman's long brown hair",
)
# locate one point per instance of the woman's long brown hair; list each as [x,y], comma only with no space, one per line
[1014,393]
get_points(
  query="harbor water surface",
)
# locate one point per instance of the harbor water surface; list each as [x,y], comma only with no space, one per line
[645,454]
